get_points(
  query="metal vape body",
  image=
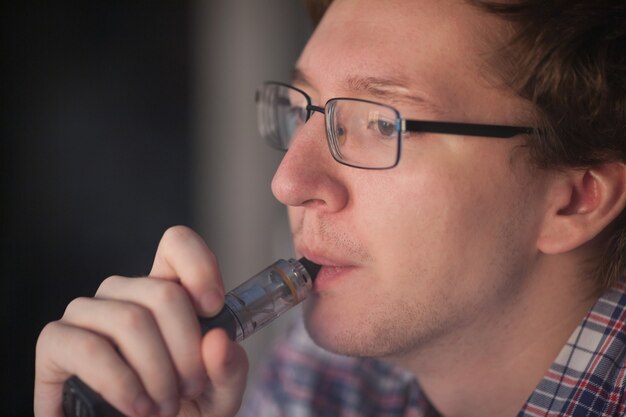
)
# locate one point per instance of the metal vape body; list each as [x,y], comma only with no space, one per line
[247,309]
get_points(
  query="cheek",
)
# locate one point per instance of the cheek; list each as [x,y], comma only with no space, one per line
[444,251]
[437,219]
[404,213]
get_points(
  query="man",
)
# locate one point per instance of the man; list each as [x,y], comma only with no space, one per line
[465,196]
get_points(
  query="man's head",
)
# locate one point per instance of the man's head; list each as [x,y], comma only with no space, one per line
[566,57]
[451,236]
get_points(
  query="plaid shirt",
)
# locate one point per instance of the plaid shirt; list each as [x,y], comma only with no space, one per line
[587,378]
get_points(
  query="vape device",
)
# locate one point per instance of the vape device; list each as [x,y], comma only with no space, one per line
[247,309]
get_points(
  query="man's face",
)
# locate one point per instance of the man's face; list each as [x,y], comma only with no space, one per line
[442,242]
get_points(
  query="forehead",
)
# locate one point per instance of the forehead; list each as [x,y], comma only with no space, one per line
[433,48]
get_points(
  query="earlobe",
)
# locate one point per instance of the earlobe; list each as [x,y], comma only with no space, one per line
[581,204]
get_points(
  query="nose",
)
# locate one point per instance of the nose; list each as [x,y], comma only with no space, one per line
[308,175]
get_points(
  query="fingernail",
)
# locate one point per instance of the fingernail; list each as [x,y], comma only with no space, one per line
[211,302]
[143,405]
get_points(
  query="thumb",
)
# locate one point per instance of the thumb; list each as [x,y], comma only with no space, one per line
[226,364]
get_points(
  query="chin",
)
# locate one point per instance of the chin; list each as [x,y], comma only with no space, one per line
[335,341]
[360,335]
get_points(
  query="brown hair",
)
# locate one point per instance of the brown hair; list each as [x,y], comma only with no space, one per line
[568,58]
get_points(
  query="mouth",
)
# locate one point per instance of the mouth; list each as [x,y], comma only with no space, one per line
[332,269]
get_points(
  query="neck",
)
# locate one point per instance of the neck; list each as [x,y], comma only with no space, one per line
[492,366]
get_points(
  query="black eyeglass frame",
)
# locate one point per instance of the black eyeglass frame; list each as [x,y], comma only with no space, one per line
[406,125]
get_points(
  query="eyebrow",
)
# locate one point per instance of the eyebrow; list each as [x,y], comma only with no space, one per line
[386,89]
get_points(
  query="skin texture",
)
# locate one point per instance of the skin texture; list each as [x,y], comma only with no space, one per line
[444,237]
[149,321]
[463,264]
[455,261]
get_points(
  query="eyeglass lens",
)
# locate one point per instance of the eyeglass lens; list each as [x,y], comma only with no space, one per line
[360,133]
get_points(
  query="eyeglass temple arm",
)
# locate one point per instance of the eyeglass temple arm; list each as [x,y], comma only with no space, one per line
[466,129]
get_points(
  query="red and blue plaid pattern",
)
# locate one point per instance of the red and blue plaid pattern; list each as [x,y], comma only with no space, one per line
[587,378]
[589,375]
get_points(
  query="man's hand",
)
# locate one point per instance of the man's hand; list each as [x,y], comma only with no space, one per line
[138,341]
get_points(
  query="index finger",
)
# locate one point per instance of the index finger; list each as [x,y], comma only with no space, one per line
[184,256]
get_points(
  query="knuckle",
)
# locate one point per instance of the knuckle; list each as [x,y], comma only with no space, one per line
[90,346]
[170,293]
[47,332]
[108,284]
[48,328]
[134,317]
[190,369]
[75,305]
[176,234]
[127,384]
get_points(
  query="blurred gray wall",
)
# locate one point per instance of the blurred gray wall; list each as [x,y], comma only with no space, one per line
[239,44]
[109,135]
[94,157]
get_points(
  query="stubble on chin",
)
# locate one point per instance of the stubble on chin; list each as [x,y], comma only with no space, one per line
[388,329]
[381,325]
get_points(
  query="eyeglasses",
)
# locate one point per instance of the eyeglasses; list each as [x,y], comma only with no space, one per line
[360,133]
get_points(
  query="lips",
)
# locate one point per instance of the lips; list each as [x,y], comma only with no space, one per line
[332,269]
[330,275]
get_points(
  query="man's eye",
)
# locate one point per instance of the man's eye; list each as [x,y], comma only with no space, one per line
[382,127]
[386,127]
[381,124]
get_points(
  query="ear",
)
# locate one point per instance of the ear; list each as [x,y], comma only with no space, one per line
[581,204]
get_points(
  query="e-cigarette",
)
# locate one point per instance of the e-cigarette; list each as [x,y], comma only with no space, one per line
[247,309]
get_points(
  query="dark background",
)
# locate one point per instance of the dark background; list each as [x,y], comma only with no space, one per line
[95,158]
